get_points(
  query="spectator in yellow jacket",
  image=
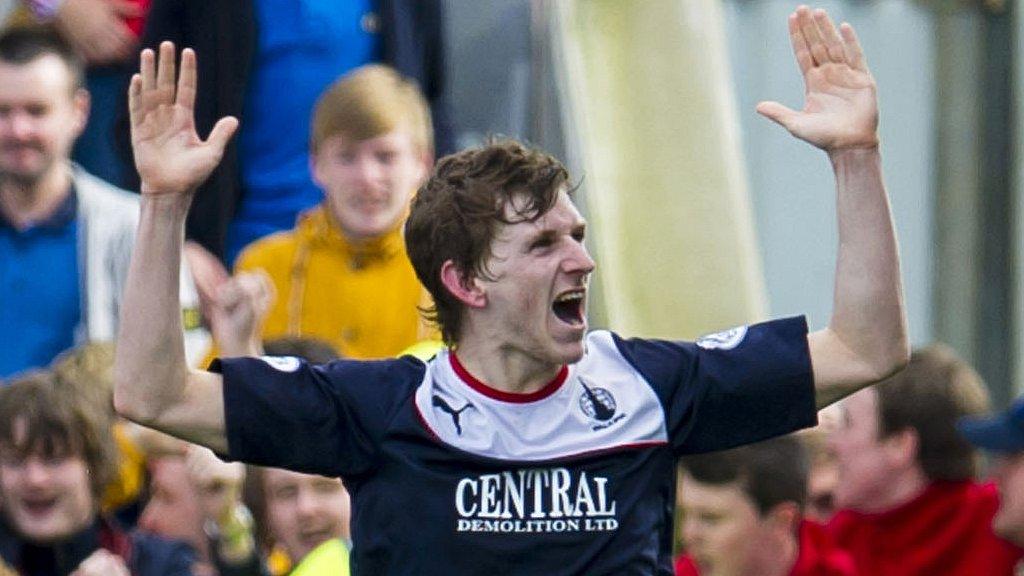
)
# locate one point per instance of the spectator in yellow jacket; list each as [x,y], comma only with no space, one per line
[342,274]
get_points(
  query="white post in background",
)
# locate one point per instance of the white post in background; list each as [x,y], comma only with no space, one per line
[650,95]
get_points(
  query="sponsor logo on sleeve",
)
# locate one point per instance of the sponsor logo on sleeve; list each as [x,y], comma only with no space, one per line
[726,340]
[282,363]
[535,501]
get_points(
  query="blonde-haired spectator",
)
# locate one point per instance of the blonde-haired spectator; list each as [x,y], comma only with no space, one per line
[342,273]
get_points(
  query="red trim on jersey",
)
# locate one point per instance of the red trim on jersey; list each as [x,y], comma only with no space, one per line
[491,392]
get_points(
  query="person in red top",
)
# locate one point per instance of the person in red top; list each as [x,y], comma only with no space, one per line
[908,502]
[743,515]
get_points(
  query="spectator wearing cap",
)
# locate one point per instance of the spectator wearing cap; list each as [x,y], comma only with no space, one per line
[1002,435]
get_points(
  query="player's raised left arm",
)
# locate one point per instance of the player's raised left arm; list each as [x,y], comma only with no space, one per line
[866,339]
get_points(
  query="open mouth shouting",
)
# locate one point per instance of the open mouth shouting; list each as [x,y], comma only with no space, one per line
[568,307]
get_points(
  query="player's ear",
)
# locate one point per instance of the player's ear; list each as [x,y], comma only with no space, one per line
[464,287]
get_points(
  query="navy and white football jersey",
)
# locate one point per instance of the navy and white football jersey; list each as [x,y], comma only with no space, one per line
[449,476]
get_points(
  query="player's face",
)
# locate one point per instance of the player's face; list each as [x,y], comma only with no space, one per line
[173,509]
[45,498]
[537,295]
[40,117]
[304,510]
[1009,519]
[864,460]
[722,530]
[368,183]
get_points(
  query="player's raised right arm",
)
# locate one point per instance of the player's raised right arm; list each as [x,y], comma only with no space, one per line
[153,383]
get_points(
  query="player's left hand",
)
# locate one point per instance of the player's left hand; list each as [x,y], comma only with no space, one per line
[841,106]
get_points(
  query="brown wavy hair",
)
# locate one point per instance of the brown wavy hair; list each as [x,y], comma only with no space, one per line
[456,215]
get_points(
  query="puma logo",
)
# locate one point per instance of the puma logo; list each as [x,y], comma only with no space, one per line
[440,403]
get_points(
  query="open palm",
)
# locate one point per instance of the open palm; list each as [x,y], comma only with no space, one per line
[169,155]
[840,102]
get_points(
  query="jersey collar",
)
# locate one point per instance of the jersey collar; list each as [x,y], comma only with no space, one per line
[492,392]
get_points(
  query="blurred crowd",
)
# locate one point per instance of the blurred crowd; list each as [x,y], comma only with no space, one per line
[296,249]
[888,483]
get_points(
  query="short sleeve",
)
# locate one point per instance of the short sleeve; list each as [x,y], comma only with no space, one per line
[286,413]
[740,386]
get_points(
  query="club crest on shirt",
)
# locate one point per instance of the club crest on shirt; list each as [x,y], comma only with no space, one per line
[725,340]
[599,404]
[282,363]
